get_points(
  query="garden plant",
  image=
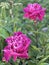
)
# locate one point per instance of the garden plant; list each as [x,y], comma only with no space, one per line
[24,32]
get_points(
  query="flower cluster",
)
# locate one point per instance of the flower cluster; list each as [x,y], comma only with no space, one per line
[17,46]
[34,11]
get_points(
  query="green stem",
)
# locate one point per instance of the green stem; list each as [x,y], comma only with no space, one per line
[1,46]
[36,34]
[22,62]
[14,27]
[11,14]
[12,62]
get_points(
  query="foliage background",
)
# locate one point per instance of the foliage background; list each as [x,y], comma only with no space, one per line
[11,20]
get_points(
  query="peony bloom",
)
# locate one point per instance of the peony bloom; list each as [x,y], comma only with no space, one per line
[34,12]
[17,46]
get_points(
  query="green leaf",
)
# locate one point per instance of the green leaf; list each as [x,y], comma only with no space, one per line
[44,59]
[31,63]
[1,63]
[44,64]
[3,33]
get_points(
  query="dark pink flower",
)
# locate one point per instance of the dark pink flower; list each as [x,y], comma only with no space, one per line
[17,46]
[34,11]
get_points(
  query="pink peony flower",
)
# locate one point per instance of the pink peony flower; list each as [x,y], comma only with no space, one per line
[34,11]
[17,46]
